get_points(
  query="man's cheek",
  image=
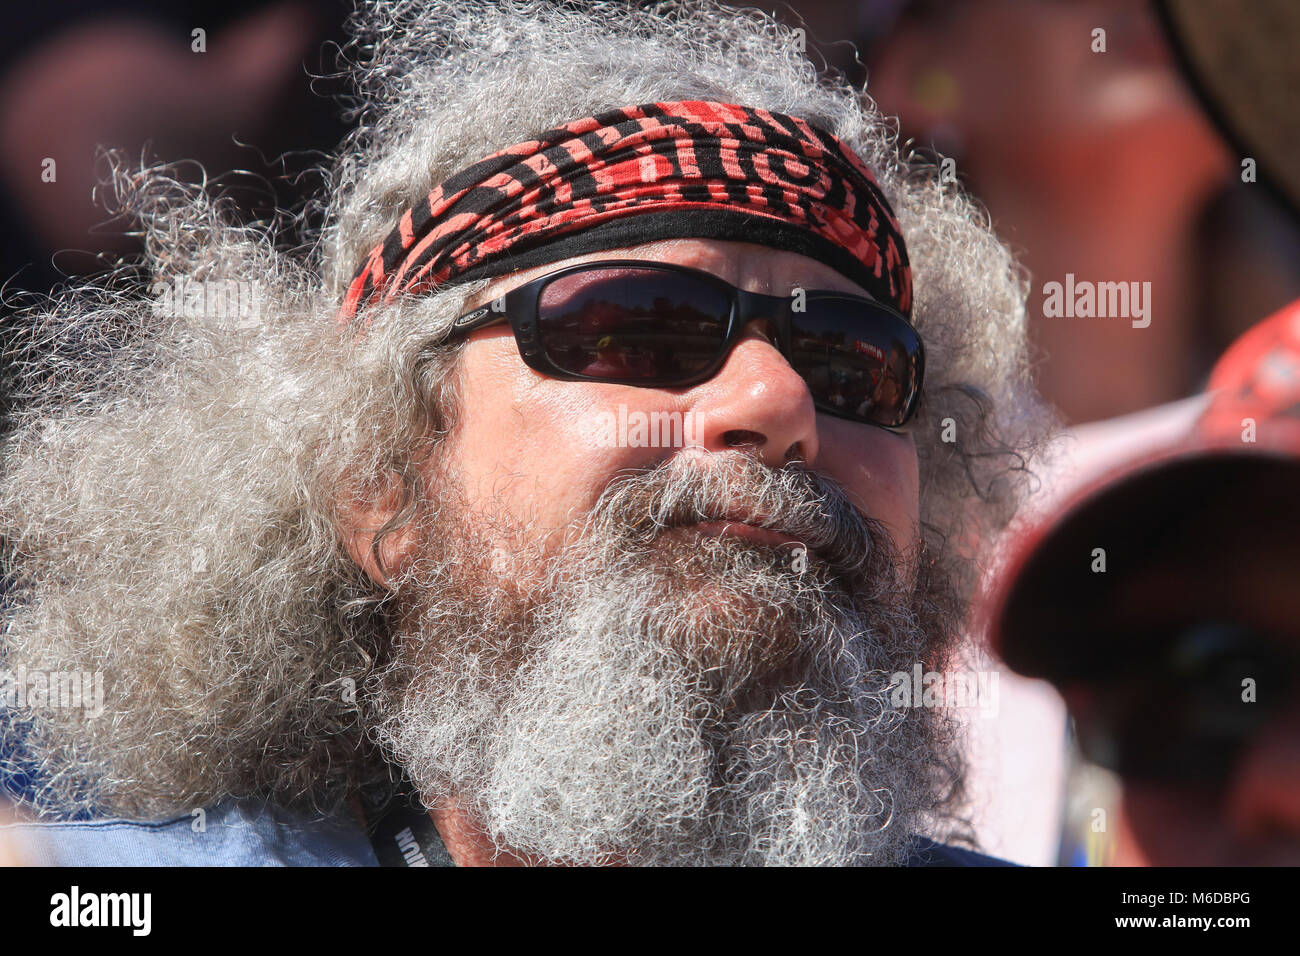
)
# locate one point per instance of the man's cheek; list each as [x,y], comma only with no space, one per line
[903,488]
[531,492]
[881,478]
[577,441]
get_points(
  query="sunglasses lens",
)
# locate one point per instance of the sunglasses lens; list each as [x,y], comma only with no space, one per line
[860,360]
[666,328]
[633,325]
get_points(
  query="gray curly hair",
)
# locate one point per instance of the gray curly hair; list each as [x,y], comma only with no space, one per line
[169,501]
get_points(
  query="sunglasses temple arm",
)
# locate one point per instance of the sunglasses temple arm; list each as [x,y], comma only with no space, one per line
[479,318]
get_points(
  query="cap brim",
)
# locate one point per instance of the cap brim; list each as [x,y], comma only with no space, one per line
[1051,615]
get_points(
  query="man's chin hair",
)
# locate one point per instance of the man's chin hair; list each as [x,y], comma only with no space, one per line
[737,615]
[616,722]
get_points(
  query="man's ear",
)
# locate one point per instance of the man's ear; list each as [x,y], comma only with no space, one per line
[363,514]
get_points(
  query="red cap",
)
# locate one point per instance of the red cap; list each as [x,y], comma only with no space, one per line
[1233,478]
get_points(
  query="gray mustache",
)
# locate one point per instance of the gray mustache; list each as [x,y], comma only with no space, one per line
[791,500]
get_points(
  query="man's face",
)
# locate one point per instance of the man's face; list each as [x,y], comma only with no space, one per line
[1249,816]
[601,657]
[527,447]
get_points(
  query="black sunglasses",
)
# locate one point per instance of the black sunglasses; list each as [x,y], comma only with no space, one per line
[660,325]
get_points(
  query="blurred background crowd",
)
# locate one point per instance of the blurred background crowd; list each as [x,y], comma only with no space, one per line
[1111,165]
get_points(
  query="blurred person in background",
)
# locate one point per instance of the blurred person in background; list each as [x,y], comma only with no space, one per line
[1102,165]
[230,86]
[1161,600]
[1179,657]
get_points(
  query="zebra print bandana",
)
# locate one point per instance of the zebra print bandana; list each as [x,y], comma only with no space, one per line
[627,176]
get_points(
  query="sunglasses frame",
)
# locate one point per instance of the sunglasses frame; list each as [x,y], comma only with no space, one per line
[519,307]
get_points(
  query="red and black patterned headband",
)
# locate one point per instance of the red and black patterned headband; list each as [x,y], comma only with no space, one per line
[627,176]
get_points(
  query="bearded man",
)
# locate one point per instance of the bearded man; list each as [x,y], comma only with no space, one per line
[365,535]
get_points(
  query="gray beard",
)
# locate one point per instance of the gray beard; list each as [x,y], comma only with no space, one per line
[663,698]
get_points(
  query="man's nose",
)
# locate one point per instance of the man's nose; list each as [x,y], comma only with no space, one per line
[758,402]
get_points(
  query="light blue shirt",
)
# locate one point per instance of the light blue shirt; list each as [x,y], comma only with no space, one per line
[236,834]
[232,834]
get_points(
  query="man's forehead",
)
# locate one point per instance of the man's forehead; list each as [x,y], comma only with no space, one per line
[746,265]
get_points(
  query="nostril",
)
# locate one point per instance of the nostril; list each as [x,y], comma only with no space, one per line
[743,438]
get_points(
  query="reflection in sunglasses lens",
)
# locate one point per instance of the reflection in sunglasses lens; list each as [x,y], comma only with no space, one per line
[633,324]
